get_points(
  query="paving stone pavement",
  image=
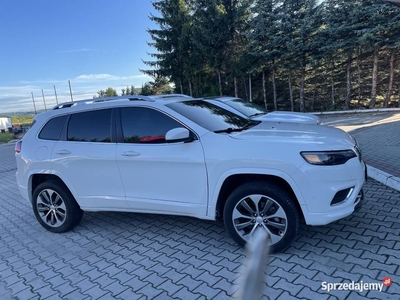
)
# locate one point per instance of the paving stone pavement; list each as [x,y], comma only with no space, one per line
[138,256]
[378,134]
[381,146]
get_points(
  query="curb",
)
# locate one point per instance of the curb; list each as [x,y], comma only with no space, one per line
[379,175]
[356,111]
[384,178]
[13,141]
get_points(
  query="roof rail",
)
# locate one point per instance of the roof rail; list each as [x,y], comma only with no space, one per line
[103,99]
[169,96]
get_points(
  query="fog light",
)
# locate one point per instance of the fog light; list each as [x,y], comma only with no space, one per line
[341,196]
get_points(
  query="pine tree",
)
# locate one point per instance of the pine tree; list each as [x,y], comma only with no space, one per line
[265,41]
[171,40]
[218,37]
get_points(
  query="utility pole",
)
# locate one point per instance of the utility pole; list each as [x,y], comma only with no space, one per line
[34,105]
[44,101]
[55,93]
[70,91]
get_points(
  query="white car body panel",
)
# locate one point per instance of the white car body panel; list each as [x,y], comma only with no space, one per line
[288,116]
[274,116]
[91,172]
[316,188]
[321,184]
[169,177]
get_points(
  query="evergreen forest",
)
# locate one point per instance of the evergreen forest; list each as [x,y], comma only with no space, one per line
[299,55]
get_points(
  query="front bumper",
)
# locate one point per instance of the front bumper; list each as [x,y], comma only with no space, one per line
[322,185]
[365,171]
[360,201]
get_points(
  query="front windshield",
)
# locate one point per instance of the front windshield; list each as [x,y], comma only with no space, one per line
[249,109]
[208,115]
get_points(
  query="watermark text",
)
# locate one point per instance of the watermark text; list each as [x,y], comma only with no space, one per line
[356,286]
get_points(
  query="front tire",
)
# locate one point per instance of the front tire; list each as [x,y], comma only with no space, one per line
[261,205]
[55,208]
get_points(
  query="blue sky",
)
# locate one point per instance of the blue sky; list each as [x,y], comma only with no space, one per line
[93,43]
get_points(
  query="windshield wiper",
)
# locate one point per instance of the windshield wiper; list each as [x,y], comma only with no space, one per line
[256,114]
[230,129]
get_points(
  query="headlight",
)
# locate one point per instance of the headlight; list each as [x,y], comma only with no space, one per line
[328,158]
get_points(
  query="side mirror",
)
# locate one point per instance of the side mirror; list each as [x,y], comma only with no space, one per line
[179,134]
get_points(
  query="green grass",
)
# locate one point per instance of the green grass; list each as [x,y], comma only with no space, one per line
[6,137]
[22,119]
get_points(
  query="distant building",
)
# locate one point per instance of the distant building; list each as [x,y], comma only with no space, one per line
[5,123]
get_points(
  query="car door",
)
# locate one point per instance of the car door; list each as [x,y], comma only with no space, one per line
[159,176]
[86,160]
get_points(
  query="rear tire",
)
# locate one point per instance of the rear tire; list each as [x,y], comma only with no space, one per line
[55,208]
[261,205]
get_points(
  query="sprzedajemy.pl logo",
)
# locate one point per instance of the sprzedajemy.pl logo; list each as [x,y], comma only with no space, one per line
[356,286]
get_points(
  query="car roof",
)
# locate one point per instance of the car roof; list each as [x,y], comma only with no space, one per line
[97,103]
[223,98]
[153,98]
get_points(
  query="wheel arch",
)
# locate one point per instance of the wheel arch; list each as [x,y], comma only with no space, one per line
[38,178]
[233,181]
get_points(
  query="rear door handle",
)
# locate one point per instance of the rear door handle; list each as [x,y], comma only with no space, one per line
[63,152]
[130,153]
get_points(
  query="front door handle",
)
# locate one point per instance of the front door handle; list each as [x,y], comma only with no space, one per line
[130,153]
[63,152]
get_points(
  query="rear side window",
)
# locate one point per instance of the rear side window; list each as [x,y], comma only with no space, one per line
[52,129]
[91,126]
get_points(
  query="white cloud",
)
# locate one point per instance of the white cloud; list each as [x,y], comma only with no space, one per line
[75,50]
[17,97]
[94,77]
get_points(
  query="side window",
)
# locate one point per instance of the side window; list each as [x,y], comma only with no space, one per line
[52,129]
[145,125]
[91,126]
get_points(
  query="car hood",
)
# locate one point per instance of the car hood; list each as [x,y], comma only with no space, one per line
[323,135]
[288,116]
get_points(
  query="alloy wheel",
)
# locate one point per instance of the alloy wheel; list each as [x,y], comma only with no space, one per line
[255,212]
[51,208]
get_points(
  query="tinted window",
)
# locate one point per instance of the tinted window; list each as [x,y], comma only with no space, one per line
[208,115]
[247,108]
[145,125]
[52,129]
[92,126]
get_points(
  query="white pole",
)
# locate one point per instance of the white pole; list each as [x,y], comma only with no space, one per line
[44,101]
[55,93]
[34,105]
[70,91]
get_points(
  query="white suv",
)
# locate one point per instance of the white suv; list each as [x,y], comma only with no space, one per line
[184,156]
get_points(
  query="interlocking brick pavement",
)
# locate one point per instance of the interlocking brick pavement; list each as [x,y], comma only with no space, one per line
[378,134]
[7,158]
[139,256]
[386,138]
